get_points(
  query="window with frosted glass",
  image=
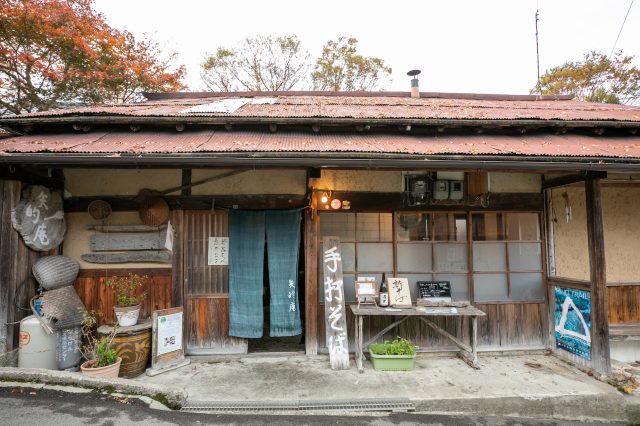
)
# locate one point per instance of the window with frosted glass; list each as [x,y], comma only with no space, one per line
[507,257]
[433,246]
[366,242]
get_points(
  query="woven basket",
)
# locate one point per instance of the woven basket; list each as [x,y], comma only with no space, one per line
[63,307]
[55,271]
[154,211]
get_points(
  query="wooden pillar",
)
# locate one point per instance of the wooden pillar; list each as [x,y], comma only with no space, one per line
[9,191]
[600,356]
[186,180]
[311,281]
[177,269]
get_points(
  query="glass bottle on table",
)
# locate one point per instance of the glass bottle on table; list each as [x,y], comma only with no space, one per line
[384,292]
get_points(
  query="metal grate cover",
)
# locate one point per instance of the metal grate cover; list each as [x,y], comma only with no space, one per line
[355,405]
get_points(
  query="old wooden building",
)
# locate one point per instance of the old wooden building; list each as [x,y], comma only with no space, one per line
[520,202]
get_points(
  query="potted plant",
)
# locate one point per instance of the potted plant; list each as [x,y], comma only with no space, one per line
[101,359]
[128,297]
[398,355]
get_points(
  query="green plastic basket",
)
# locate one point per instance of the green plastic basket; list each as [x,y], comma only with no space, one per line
[392,362]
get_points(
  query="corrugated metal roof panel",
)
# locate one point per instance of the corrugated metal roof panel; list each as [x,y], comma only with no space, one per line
[370,108]
[226,142]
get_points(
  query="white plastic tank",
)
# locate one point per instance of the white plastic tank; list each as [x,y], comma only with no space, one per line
[37,348]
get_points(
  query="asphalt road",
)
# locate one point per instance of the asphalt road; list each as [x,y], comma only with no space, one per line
[23,406]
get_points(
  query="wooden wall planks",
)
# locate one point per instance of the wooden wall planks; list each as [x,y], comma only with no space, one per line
[506,326]
[208,327]
[94,293]
[624,304]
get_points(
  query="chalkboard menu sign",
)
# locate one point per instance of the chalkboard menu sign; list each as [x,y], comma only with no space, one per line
[437,291]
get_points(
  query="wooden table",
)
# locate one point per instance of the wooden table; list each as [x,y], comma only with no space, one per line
[468,353]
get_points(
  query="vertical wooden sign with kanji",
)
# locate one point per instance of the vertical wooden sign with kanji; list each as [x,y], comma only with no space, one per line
[334,306]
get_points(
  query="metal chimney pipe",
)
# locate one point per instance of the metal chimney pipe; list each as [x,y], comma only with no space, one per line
[415,87]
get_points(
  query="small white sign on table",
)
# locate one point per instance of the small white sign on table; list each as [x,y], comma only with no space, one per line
[218,251]
[167,351]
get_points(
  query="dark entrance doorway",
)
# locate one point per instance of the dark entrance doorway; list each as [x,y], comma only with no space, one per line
[268,344]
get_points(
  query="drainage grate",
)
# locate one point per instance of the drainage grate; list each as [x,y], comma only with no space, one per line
[377,404]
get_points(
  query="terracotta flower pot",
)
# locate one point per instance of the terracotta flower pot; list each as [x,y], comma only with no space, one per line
[127,316]
[108,371]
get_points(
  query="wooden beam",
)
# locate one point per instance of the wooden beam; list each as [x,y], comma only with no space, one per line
[128,241]
[152,256]
[570,179]
[111,272]
[569,282]
[126,228]
[199,202]
[600,356]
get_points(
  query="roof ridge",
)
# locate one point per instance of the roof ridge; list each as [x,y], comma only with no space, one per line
[374,94]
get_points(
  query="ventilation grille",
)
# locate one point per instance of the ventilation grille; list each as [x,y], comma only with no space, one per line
[381,404]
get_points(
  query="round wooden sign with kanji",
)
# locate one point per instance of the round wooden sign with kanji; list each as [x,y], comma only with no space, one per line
[39,218]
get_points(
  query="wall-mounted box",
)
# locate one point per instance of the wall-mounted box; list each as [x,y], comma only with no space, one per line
[456,190]
[441,190]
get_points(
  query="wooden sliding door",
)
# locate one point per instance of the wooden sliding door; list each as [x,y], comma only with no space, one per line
[206,288]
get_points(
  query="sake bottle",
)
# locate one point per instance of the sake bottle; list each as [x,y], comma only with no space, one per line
[384,292]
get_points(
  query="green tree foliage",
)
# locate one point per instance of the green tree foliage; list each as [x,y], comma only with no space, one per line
[597,78]
[262,63]
[340,67]
[56,52]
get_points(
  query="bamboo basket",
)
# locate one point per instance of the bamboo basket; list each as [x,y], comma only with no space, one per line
[54,272]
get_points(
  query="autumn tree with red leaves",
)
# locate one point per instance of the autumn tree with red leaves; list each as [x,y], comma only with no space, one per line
[61,52]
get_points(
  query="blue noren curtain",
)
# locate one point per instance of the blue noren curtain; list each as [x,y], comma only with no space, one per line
[246,263]
[283,240]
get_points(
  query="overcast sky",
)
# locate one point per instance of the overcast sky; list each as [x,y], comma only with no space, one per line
[460,46]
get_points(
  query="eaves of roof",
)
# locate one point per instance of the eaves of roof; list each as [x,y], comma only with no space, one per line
[211,148]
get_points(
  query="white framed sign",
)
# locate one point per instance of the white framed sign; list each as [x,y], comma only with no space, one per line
[169,333]
[218,251]
[366,289]
[167,350]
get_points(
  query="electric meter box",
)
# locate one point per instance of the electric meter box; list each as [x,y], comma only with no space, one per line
[456,190]
[441,190]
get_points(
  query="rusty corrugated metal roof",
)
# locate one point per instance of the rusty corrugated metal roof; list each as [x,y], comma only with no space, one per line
[363,107]
[210,141]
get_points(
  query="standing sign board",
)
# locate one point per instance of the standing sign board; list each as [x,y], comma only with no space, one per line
[435,291]
[399,294]
[334,307]
[167,351]
[573,321]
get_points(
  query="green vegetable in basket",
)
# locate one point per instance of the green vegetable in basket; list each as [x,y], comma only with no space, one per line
[399,346]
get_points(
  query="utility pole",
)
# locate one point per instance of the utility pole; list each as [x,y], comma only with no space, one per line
[538,52]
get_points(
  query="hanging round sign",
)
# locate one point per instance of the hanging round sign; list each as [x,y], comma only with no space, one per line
[335,204]
[39,218]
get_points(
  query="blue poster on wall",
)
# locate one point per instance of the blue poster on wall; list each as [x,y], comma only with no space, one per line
[573,321]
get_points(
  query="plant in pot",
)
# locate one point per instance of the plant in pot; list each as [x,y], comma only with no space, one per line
[101,359]
[398,355]
[128,297]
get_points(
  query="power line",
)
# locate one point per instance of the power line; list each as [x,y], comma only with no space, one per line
[621,28]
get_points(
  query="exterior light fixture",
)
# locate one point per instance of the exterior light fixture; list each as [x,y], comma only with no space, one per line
[325,198]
